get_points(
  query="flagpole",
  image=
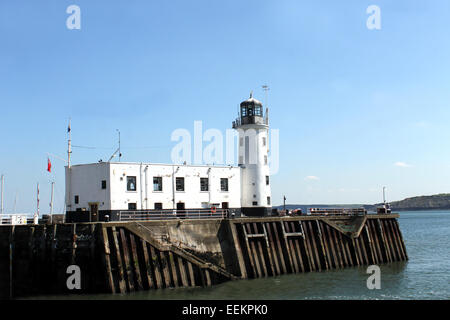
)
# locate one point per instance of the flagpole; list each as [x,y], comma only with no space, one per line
[68,173]
[3,185]
[36,216]
[51,203]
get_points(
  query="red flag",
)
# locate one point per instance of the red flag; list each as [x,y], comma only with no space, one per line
[49,165]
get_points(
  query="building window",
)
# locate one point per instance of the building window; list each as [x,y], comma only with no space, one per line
[255,203]
[268,201]
[103,184]
[204,184]
[179,184]
[131,183]
[265,159]
[267,180]
[158,206]
[264,141]
[77,199]
[258,111]
[223,184]
[132,206]
[241,141]
[157,184]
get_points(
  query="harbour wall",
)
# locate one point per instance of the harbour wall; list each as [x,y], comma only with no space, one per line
[132,256]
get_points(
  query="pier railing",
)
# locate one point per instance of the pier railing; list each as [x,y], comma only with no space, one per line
[16,219]
[144,215]
[338,211]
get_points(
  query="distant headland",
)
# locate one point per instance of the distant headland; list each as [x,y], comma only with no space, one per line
[433,202]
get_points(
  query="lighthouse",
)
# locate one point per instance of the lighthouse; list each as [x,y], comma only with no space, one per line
[253,127]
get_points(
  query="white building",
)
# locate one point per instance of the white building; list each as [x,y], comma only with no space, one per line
[96,190]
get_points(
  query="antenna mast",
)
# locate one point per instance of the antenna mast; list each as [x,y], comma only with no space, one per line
[120,154]
[266,89]
[69,147]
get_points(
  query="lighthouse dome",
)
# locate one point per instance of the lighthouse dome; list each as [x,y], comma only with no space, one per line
[251,101]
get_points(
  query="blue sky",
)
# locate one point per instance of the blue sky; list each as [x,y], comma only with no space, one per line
[357,109]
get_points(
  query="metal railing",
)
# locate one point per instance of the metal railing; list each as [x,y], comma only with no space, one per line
[16,219]
[338,211]
[143,215]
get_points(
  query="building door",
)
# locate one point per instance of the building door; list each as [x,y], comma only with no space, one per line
[93,212]
[225,211]
[181,209]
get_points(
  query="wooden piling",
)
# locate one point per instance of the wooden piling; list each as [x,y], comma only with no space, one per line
[325,245]
[156,267]
[107,260]
[183,275]
[259,252]
[129,279]
[308,251]
[394,252]
[165,268]
[191,274]
[395,240]
[311,239]
[321,245]
[345,260]
[147,271]
[350,258]
[288,247]
[329,238]
[280,250]
[400,237]
[268,252]
[375,237]
[135,263]
[369,246]
[299,245]
[384,242]
[273,250]
[292,249]
[337,246]
[250,252]
[120,264]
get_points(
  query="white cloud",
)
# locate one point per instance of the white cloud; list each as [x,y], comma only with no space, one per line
[402,164]
[312,178]
[422,124]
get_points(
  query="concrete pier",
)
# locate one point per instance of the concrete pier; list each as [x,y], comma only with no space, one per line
[131,256]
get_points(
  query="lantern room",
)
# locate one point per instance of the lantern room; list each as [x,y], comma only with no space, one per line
[251,111]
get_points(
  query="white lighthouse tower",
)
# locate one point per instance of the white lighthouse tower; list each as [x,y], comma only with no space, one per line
[253,128]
